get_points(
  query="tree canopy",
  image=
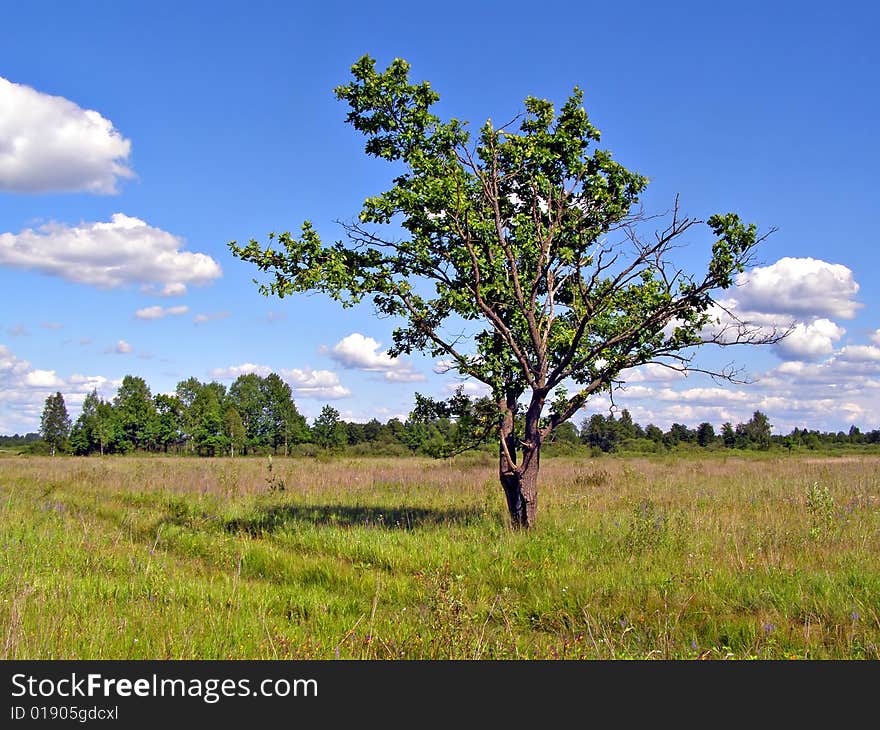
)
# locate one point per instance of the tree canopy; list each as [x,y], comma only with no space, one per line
[519,257]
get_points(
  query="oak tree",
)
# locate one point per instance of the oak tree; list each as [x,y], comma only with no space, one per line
[519,257]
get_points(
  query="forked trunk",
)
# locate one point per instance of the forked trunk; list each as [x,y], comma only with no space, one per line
[521,488]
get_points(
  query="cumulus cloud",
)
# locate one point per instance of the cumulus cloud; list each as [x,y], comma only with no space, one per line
[651,373]
[875,337]
[810,341]
[860,353]
[233,371]
[358,352]
[109,255]
[120,348]
[42,379]
[209,317]
[157,312]
[10,365]
[305,382]
[443,366]
[24,389]
[50,144]
[473,388]
[830,393]
[804,287]
[317,384]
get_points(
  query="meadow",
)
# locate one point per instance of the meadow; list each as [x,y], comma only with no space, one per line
[723,557]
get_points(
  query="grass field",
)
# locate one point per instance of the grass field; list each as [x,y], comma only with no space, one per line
[410,558]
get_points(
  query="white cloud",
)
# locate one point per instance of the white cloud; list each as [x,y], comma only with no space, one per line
[804,287]
[42,379]
[52,325]
[49,144]
[829,394]
[860,353]
[18,330]
[157,312]
[233,371]
[317,384]
[358,352]
[120,348]
[109,255]
[707,396]
[651,373]
[875,337]
[24,389]
[305,382]
[443,366]
[810,341]
[211,317]
[473,388]
[10,365]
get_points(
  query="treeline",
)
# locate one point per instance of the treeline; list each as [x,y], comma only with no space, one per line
[257,415]
[609,434]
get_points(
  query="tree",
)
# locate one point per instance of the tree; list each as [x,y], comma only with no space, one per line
[55,423]
[705,434]
[169,420]
[521,259]
[728,435]
[601,432]
[233,429]
[247,395]
[756,432]
[207,419]
[186,392]
[135,414]
[84,435]
[282,422]
[328,430]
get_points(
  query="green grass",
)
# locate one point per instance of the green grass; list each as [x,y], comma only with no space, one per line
[411,558]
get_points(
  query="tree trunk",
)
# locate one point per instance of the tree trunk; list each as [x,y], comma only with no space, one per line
[519,478]
[521,489]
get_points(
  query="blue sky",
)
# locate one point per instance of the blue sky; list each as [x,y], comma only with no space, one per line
[217,121]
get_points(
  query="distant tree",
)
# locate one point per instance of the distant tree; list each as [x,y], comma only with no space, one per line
[533,236]
[55,423]
[756,432]
[728,435]
[855,435]
[168,427]
[677,434]
[282,422]
[186,392]
[135,414]
[248,396]
[654,433]
[233,429]
[566,434]
[84,434]
[328,430]
[705,434]
[372,430]
[206,413]
[600,432]
[625,426]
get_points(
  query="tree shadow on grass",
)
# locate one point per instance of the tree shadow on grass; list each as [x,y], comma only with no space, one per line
[270,519]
